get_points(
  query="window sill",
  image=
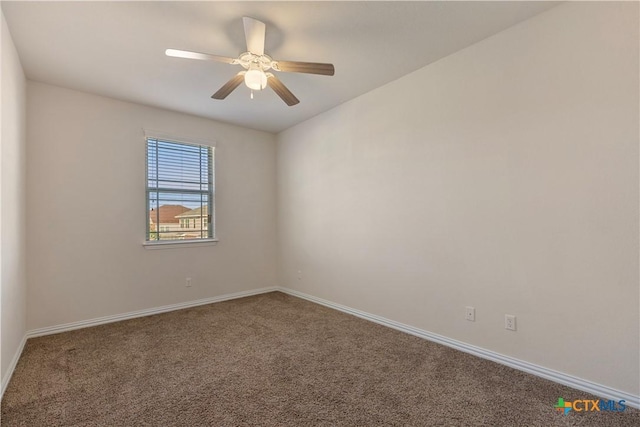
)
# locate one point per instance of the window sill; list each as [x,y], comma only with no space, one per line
[173,244]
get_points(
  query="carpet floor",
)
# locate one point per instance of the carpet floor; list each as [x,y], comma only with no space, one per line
[273,360]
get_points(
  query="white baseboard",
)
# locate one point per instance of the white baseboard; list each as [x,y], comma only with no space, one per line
[521,365]
[12,366]
[49,330]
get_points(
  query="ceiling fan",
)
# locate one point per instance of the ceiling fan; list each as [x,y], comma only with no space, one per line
[256,65]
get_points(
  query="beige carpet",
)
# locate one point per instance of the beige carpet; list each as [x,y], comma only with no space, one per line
[272,360]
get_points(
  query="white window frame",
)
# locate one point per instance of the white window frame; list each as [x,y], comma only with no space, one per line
[167,244]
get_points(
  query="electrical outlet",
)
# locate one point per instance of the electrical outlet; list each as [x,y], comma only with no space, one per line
[470,314]
[299,274]
[188,283]
[510,322]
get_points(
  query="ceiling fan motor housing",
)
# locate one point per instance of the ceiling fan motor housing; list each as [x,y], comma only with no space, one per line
[261,62]
[255,78]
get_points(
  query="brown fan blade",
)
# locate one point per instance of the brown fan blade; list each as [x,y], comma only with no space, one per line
[281,90]
[229,86]
[196,55]
[304,67]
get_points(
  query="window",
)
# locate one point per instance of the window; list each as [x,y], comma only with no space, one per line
[180,186]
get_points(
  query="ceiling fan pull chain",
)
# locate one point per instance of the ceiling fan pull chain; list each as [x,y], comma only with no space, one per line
[251,93]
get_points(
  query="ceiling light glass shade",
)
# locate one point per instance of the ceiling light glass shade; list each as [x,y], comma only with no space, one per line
[255,79]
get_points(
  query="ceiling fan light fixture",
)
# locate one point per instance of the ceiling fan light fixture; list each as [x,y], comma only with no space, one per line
[255,79]
[257,63]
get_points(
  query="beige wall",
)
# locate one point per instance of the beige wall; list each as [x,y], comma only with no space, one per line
[13,281]
[504,177]
[86,175]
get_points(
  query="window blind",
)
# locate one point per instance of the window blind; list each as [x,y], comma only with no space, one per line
[180,190]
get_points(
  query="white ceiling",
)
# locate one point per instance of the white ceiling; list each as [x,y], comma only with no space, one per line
[116,49]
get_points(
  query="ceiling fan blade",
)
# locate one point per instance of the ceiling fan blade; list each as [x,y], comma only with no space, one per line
[229,86]
[254,31]
[304,67]
[196,55]
[281,90]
